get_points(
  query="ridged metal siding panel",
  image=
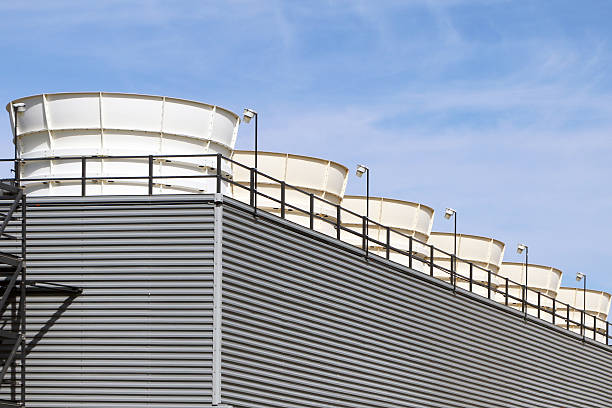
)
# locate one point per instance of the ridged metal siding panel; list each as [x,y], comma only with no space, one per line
[140,335]
[310,323]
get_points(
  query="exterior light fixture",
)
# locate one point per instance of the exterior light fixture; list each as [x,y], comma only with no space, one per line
[18,107]
[448,213]
[361,170]
[247,115]
[582,277]
[520,248]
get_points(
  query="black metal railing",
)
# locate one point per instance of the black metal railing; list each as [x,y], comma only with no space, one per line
[419,255]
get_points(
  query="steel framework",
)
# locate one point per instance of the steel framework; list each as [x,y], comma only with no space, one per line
[14,291]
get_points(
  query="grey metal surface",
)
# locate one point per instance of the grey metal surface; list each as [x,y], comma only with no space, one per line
[140,335]
[307,322]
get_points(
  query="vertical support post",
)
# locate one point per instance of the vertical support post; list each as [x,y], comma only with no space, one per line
[523,294]
[410,252]
[364,234]
[594,328]
[554,311]
[539,303]
[507,292]
[219,174]
[471,277]
[15,141]
[252,188]
[489,283]
[455,238]
[23,297]
[338,221]
[567,322]
[282,199]
[607,334]
[431,260]
[17,173]
[582,324]
[83,176]
[311,212]
[452,276]
[150,175]
[388,249]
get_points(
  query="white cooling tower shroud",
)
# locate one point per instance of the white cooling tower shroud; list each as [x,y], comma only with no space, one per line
[408,218]
[115,124]
[322,178]
[543,279]
[487,253]
[597,304]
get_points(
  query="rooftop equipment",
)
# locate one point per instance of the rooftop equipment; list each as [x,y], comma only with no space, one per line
[322,178]
[406,219]
[114,124]
[597,304]
[483,252]
[543,279]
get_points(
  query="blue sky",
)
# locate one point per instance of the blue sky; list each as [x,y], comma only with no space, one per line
[502,110]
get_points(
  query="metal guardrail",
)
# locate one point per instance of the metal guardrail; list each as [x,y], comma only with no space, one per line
[497,288]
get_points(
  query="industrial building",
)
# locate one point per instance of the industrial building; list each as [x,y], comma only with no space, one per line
[149,264]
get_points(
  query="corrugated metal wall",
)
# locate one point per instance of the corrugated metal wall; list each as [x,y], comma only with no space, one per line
[140,335]
[306,321]
[306,324]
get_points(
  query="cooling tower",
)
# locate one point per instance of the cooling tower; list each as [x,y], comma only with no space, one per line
[115,124]
[486,253]
[407,218]
[310,175]
[543,279]
[597,304]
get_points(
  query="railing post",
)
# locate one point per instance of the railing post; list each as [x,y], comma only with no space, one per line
[539,303]
[489,283]
[388,249]
[219,175]
[252,188]
[471,277]
[507,290]
[594,328]
[338,221]
[554,311]
[282,199]
[17,172]
[311,212]
[410,252]
[452,276]
[607,333]
[431,260]
[150,175]
[83,176]
[567,322]
[364,228]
